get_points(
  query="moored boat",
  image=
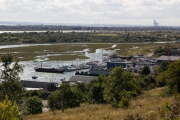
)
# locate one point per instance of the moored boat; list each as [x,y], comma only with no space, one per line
[49,70]
[34,77]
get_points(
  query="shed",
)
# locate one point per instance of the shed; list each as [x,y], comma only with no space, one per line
[166,58]
[38,85]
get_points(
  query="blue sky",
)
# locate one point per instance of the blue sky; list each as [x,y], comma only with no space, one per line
[128,12]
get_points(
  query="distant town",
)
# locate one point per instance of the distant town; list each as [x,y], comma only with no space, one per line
[7,26]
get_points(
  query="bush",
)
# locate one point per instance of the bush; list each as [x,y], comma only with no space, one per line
[95,90]
[120,84]
[34,105]
[31,93]
[8,110]
[145,70]
[124,103]
[54,100]
[72,97]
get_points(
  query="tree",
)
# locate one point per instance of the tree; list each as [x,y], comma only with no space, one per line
[54,102]
[148,82]
[10,76]
[145,70]
[67,95]
[173,79]
[163,66]
[8,110]
[96,89]
[34,105]
[120,84]
[162,79]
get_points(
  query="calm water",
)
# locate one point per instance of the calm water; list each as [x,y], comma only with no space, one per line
[55,77]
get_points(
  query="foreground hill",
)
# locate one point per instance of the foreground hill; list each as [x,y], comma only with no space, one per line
[152,105]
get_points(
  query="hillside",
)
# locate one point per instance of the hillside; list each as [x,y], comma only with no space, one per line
[151,105]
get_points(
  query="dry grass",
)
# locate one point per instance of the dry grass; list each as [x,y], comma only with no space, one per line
[147,106]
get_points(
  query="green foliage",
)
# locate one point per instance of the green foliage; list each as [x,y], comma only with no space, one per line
[31,93]
[72,97]
[124,103]
[163,66]
[160,51]
[120,84]
[162,79]
[8,110]
[79,96]
[148,82]
[170,111]
[10,74]
[44,37]
[54,100]
[145,70]
[96,89]
[34,105]
[173,79]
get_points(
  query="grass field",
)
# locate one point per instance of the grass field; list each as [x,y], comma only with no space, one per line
[147,106]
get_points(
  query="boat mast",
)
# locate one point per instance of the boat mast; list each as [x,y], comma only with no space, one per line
[102,55]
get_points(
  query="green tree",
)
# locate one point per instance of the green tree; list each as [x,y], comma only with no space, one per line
[8,110]
[10,76]
[34,105]
[163,66]
[96,89]
[148,82]
[145,70]
[54,100]
[173,79]
[162,79]
[72,97]
[120,84]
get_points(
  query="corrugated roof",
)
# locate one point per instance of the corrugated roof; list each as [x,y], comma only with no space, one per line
[172,58]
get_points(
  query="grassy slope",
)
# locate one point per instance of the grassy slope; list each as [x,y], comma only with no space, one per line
[146,105]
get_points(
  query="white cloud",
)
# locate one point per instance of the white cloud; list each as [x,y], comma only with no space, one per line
[137,12]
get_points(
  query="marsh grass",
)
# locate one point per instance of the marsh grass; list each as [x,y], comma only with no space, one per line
[146,106]
[65,51]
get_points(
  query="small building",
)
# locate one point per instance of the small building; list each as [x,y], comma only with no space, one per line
[116,64]
[36,85]
[81,79]
[167,59]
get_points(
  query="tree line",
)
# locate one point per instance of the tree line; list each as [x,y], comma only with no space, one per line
[93,36]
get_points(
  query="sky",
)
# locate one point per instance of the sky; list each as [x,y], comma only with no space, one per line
[125,12]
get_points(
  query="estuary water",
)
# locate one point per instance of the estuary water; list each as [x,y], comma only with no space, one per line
[55,77]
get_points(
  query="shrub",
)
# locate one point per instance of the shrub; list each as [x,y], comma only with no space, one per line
[120,84]
[8,110]
[72,97]
[124,103]
[95,90]
[34,105]
[145,70]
